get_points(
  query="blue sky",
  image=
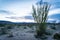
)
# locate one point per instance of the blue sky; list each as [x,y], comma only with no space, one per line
[20,10]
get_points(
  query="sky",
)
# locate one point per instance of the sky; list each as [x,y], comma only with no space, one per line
[20,10]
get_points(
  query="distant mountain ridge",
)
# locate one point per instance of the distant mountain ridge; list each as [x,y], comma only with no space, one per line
[8,22]
[5,22]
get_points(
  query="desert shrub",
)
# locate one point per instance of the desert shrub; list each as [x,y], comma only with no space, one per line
[3,31]
[40,16]
[9,27]
[56,36]
[2,25]
[53,27]
[10,35]
[25,27]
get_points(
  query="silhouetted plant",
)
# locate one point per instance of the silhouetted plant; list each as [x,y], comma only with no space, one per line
[56,36]
[40,16]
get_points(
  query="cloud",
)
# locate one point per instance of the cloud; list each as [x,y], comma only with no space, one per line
[5,12]
[19,10]
[54,11]
[24,17]
[21,19]
[16,19]
[55,16]
[50,20]
[51,1]
[28,17]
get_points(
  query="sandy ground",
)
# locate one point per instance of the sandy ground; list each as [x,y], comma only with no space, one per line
[19,34]
[22,34]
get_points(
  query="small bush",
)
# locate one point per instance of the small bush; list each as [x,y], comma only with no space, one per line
[56,36]
[9,27]
[3,31]
[25,27]
[10,34]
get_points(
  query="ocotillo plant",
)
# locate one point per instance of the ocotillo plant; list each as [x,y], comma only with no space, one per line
[40,16]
